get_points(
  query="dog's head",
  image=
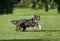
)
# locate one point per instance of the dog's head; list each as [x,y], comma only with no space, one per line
[37,17]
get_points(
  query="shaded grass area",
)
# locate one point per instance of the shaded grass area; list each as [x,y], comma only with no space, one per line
[32,40]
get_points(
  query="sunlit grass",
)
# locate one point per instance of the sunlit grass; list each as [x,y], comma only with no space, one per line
[49,21]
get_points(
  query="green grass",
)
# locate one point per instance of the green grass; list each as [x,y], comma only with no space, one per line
[50,22]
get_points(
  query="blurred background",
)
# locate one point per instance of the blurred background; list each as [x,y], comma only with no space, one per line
[6,6]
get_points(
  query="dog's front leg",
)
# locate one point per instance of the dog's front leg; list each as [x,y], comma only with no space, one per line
[24,28]
[39,27]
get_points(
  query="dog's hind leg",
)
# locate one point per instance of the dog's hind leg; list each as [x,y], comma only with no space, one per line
[18,27]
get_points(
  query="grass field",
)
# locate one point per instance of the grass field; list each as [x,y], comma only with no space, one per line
[50,22]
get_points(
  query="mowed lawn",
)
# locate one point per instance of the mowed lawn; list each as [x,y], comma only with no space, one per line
[50,22]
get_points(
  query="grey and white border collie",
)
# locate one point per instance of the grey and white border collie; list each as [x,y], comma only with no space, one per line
[24,23]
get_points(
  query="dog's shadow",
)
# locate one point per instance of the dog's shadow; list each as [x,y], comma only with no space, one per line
[42,31]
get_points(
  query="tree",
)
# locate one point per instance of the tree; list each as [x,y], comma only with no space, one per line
[6,6]
[58,3]
[46,6]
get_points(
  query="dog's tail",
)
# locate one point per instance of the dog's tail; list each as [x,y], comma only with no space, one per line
[13,21]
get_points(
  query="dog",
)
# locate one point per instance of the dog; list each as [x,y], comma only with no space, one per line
[23,23]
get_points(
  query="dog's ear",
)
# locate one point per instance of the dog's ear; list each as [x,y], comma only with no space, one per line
[36,15]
